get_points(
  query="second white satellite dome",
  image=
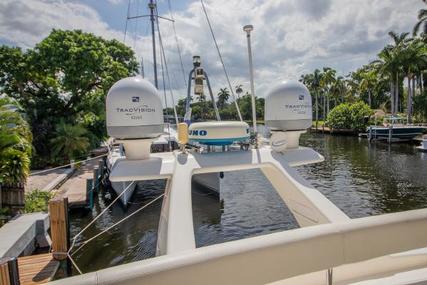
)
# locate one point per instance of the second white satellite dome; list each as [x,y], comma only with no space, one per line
[288,107]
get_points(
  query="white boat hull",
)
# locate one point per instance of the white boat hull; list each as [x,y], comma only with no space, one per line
[423,146]
[119,187]
[210,181]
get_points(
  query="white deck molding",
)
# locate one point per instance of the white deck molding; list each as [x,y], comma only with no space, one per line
[19,235]
[276,256]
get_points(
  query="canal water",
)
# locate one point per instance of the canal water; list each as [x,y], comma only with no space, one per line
[362,179]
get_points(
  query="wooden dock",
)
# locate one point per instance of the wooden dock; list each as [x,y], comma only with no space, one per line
[41,268]
[76,188]
[37,269]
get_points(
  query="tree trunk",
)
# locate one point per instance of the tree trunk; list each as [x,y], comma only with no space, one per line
[396,95]
[421,83]
[413,95]
[369,98]
[324,106]
[317,111]
[408,101]
[327,106]
[392,97]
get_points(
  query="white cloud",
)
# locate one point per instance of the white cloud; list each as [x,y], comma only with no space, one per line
[291,37]
[26,22]
[115,2]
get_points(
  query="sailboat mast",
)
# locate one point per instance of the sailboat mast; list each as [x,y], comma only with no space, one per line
[152,6]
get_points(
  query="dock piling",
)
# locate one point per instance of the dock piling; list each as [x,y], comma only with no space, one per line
[390,133]
[96,178]
[9,274]
[4,272]
[58,210]
[89,192]
[101,168]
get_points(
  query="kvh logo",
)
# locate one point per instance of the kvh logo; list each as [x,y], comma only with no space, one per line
[135,99]
[198,132]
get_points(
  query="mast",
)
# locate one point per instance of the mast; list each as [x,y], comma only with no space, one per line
[152,6]
[248,29]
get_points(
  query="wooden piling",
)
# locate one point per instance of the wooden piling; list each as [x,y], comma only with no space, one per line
[13,271]
[58,210]
[9,273]
[4,272]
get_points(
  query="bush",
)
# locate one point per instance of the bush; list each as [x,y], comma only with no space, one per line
[349,116]
[37,201]
[420,107]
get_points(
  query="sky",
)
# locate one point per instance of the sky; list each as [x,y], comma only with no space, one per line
[290,37]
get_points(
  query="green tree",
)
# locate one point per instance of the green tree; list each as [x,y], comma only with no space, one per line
[390,63]
[349,116]
[66,75]
[313,82]
[422,22]
[15,144]
[414,59]
[69,141]
[223,96]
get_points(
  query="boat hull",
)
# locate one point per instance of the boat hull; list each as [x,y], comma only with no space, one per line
[209,181]
[400,133]
[119,187]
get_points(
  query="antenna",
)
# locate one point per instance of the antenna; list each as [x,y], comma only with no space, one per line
[248,29]
[152,6]
[142,67]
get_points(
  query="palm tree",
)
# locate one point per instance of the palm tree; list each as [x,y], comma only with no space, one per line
[400,43]
[414,60]
[312,81]
[69,140]
[390,64]
[327,81]
[338,89]
[15,146]
[239,90]
[317,77]
[223,96]
[368,82]
[422,21]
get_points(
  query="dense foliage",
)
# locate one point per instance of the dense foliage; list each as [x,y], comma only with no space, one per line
[15,143]
[203,109]
[349,116]
[380,84]
[61,84]
[37,201]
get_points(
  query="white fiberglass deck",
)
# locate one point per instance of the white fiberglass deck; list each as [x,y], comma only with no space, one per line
[357,249]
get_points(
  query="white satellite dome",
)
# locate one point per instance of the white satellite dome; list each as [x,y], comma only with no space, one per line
[134,109]
[288,107]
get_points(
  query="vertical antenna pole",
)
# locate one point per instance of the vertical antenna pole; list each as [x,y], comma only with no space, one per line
[152,6]
[142,67]
[248,29]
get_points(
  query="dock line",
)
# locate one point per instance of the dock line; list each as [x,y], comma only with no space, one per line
[66,165]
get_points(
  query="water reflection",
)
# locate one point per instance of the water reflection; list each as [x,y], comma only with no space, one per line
[248,206]
[134,239]
[364,179]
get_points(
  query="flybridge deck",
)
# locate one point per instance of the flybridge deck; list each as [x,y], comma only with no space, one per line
[356,249]
[162,165]
[326,240]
